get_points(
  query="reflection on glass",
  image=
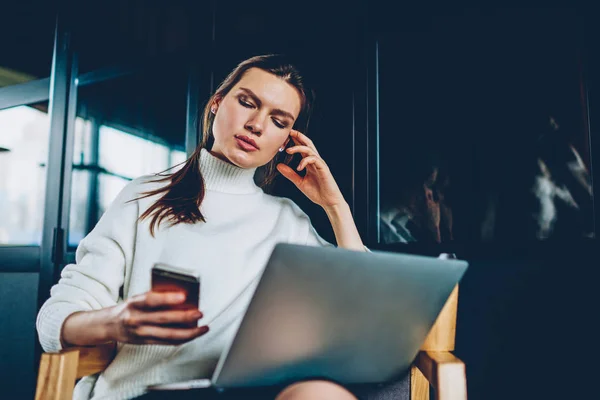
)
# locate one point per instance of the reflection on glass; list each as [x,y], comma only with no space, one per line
[82,147]
[561,187]
[415,208]
[126,127]
[81,180]
[24,136]
[80,205]
[131,156]
[122,157]
[484,137]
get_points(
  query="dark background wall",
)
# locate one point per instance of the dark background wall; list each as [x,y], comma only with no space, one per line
[526,318]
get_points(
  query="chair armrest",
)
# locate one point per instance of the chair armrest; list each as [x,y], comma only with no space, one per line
[94,359]
[59,371]
[445,373]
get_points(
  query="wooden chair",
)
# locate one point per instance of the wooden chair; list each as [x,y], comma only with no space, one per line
[435,365]
[59,371]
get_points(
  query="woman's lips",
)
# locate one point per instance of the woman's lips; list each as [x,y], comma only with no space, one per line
[244,144]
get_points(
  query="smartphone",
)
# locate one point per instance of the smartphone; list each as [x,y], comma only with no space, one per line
[166,278]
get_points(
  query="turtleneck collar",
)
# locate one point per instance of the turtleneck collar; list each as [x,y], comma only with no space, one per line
[220,176]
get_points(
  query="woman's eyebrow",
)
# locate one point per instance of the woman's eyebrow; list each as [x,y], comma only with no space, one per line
[252,94]
[282,113]
[275,111]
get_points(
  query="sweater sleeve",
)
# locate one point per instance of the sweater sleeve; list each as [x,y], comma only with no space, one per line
[314,239]
[95,280]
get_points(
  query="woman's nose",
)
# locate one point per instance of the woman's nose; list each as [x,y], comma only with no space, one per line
[255,125]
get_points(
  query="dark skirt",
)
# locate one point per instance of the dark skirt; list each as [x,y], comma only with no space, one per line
[368,391]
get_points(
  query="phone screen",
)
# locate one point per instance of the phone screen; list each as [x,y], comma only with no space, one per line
[166,280]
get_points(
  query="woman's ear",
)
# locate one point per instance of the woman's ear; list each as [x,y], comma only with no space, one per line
[283,146]
[215,105]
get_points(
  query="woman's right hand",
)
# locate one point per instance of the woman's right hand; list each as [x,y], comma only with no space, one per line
[147,319]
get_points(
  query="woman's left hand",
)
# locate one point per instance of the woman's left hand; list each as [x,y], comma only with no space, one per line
[317,184]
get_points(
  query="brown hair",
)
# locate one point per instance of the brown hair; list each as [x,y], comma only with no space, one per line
[181,198]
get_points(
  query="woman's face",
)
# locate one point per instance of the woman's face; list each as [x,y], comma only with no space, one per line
[254,119]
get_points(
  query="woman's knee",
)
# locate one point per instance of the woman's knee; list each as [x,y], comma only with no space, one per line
[315,390]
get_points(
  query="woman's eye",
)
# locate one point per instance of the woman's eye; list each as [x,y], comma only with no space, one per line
[278,124]
[245,103]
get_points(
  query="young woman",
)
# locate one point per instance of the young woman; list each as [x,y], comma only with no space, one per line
[209,216]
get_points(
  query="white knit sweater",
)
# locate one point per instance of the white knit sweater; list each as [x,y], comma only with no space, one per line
[243,225]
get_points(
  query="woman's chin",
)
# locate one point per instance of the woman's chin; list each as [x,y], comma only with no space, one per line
[243,159]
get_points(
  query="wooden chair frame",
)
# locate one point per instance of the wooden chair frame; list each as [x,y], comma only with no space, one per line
[435,365]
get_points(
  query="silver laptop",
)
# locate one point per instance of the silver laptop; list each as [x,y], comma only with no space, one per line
[337,314]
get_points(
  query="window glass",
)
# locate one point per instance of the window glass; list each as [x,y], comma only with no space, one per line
[23,156]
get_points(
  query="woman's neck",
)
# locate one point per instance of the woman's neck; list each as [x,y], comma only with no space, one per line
[222,176]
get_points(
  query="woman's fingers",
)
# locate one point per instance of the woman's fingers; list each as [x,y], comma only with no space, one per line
[300,138]
[289,173]
[150,319]
[304,150]
[153,300]
[310,160]
[170,317]
[149,333]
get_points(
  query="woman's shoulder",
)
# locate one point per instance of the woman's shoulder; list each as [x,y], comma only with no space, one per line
[286,205]
[298,224]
